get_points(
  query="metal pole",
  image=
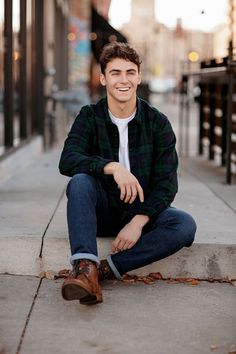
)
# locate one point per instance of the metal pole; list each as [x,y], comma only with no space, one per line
[187,117]
[8,76]
[181,112]
[229,115]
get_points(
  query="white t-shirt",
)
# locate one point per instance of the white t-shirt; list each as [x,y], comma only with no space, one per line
[122,125]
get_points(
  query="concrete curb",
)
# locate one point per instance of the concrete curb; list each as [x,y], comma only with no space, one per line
[201,261]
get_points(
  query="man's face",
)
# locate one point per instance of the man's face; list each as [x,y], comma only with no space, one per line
[121,79]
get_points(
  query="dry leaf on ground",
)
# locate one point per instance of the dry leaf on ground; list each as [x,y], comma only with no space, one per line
[213,347]
[63,273]
[194,282]
[49,274]
[155,276]
[147,280]
[42,275]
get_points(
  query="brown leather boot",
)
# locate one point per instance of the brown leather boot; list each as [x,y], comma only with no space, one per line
[105,272]
[82,284]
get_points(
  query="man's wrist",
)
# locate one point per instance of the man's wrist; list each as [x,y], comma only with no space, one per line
[110,168]
[141,220]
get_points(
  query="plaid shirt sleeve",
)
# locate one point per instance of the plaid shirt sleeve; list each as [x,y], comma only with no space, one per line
[77,155]
[164,183]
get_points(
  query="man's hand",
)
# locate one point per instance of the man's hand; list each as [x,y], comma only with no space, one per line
[130,234]
[126,181]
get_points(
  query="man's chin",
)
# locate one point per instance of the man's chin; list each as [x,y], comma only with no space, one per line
[124,99]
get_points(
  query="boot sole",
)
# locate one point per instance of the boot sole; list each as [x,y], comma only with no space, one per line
[75,292]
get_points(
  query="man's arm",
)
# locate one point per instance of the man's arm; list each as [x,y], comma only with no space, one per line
[129,190]
[77,156]
[130,234]
[126,181]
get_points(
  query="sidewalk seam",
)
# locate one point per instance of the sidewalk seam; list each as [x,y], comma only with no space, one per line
[28,318]
[54,212]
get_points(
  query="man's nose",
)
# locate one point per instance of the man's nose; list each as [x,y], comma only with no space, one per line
[124,78]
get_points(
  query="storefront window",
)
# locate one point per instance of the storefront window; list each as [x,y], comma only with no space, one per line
[16,68]
[1,75]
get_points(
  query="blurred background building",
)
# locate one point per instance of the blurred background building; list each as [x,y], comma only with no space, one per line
[164,50]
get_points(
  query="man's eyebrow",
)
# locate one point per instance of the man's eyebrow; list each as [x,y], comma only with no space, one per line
[114,70]
[118,70]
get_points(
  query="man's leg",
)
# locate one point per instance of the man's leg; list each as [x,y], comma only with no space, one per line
[85,197]
[172,230]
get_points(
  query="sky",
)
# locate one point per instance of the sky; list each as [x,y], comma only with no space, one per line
[196,14]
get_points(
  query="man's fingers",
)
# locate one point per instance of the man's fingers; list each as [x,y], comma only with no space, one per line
[128,245]
[131,194]
[128,194]
[134,194]
[122,192]
[117,245]
[140,193]
[114,246]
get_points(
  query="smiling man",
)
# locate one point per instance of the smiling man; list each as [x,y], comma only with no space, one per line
[121,156]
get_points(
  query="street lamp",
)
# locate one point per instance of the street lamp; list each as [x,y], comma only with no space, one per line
[193,56]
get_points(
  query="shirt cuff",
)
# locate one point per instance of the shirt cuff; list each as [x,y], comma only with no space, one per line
[98,166]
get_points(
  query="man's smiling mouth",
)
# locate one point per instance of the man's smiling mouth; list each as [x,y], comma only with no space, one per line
[123,89]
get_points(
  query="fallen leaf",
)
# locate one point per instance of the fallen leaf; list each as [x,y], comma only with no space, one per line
[183,280]
[147,280]
[194,282]
[127,278]
[155,276]
[42,275]
[213,347]
[63,273]
[49,274]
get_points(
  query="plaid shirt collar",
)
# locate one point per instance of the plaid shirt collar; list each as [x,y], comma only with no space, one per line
[137,117]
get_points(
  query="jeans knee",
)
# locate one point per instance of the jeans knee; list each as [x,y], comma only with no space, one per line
[81,183]
[190,228]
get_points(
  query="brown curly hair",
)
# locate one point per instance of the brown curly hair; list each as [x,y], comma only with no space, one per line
[118,50]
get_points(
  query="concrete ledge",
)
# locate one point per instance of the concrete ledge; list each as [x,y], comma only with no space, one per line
[201,261]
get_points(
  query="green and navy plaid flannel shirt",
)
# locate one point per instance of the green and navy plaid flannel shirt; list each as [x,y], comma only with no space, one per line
[93,141]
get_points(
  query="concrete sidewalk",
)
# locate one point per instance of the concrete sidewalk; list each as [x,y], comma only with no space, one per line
[134,318]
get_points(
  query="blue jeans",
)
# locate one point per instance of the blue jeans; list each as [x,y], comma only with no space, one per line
[89,214]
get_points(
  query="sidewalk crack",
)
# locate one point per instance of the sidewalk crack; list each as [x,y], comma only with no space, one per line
[45,231]
[28,318]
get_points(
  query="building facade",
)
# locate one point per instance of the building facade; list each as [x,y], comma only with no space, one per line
[33,63]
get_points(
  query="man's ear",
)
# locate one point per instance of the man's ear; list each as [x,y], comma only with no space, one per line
[102,79]
[140,78]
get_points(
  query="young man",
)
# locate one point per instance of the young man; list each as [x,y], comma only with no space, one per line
[121,156]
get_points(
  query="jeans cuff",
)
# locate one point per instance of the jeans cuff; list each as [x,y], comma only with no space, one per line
[89,256]
[113,267]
